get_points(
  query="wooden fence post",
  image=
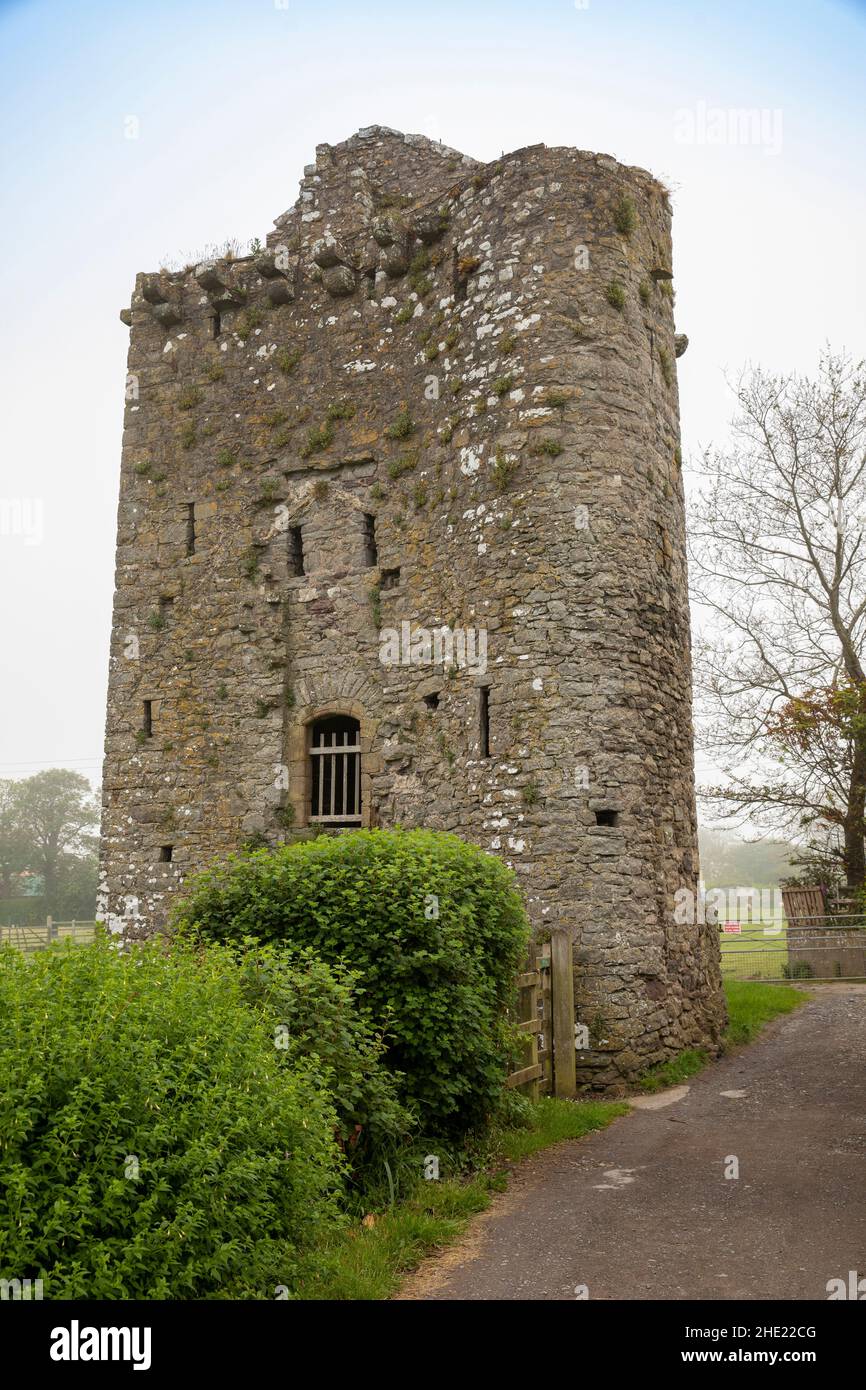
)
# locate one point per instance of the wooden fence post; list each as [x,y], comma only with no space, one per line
[562,983]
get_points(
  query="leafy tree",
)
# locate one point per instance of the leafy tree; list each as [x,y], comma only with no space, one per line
[14,852]
[778,559]
[56,813]
[77,886]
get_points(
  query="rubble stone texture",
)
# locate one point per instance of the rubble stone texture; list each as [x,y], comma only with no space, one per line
[480,357]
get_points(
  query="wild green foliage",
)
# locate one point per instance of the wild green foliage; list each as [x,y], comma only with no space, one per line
[551,447]
[287,359]
[502,470]
[401,427]
[435,928]
[625,216]
[154,1143]
[366,1262]
[404,464]
[313,1009]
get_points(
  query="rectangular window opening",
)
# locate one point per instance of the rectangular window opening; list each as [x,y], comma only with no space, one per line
[165,602]
[147,718]
[484,721]
[390,579]
[432,700]
[296,550]
[190,528]
[607,817]
[371,550]
[335,754]
[165,854]
[216,325]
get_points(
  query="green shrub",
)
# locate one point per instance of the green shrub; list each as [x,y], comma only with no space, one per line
[435,928]
[153,1144]
[313,1008]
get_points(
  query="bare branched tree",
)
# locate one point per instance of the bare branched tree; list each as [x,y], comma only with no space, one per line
[778,564]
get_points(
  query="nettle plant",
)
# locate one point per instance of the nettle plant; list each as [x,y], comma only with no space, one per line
[155,1143]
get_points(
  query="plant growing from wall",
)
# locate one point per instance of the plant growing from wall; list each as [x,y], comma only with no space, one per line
[404,464]
[269,492]
[551,447]
[376,605]
[187,434]
[502,470]
[340,410]
[287,359]
[625,216]
[318,439]
[248,320]
[401,427]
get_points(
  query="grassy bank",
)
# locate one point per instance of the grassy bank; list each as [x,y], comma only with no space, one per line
[368,1259]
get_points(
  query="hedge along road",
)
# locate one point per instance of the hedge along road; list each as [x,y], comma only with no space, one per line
[643,1209]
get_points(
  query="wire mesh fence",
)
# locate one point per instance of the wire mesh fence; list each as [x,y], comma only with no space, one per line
[795,948]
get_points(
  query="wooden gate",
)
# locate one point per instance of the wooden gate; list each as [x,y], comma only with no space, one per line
[534,1014]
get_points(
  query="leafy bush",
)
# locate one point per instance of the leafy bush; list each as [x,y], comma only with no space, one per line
[313,1011]
[152,1142]
[435,928]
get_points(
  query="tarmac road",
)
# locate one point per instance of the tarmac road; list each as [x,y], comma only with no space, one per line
[643,1209]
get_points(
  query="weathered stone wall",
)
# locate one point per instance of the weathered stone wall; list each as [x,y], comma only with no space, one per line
[481,357]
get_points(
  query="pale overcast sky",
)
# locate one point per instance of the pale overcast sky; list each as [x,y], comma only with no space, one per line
[229,99]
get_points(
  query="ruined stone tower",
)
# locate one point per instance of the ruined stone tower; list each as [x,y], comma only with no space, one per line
[434,418]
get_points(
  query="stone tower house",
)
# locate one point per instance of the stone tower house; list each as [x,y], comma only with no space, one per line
[401,542]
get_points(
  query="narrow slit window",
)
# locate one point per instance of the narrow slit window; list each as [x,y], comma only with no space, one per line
[484,721]
[216,325]
[458,281]
[371,549]
[147,718]
[165,603]
[390,579]
[335,782]
[190,528]
[165,854]
[296,551]
[607,817]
